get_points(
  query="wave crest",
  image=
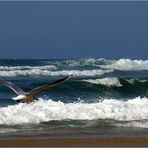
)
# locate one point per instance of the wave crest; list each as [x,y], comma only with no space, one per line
[47,110]
[105,81]
[128,65]
[45,72]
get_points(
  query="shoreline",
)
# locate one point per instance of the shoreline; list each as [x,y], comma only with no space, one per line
[76,142]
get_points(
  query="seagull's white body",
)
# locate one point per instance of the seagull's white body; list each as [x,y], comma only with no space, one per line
[20,97]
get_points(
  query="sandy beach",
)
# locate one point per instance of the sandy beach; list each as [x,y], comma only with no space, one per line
[74,142]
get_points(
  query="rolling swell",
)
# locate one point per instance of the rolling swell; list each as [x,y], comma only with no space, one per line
[89,89]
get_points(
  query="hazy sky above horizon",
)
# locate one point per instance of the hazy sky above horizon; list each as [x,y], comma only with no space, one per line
[73,29]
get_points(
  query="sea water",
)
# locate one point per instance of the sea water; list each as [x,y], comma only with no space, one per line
[104,97]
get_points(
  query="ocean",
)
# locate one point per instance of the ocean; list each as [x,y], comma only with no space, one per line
[103,98]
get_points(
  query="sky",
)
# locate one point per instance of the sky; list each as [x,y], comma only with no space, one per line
[71,30]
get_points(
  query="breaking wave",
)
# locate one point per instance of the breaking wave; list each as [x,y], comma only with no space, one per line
[9,68]
[105,81]
[81,62]
[128,65]
[47,110]
[53,69]
[121,64]
[113,81]
[45,72]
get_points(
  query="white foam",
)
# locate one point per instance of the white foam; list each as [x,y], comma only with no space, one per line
[46,110]
[9,68]
[88,62]
[121,64]
[138,124]
[81,62]
[42,72]
[72,63]
[105,81]
[136,79]
[128,65]
[11,71]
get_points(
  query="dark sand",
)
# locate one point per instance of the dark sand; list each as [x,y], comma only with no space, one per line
[72,142]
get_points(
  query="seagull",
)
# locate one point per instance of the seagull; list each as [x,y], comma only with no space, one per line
[25,97]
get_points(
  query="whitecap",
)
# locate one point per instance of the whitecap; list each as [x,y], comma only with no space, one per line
[45,72]
[47,110]
[112,81]
[128,65]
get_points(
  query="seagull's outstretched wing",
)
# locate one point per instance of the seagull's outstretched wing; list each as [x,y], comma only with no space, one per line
[13,87]
[41,88]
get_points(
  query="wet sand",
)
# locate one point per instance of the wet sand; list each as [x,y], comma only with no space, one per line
[74,142]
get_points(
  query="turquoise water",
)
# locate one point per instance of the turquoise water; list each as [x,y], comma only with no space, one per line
[104,97]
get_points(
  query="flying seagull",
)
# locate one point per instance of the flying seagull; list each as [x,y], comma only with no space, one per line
[30,96]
